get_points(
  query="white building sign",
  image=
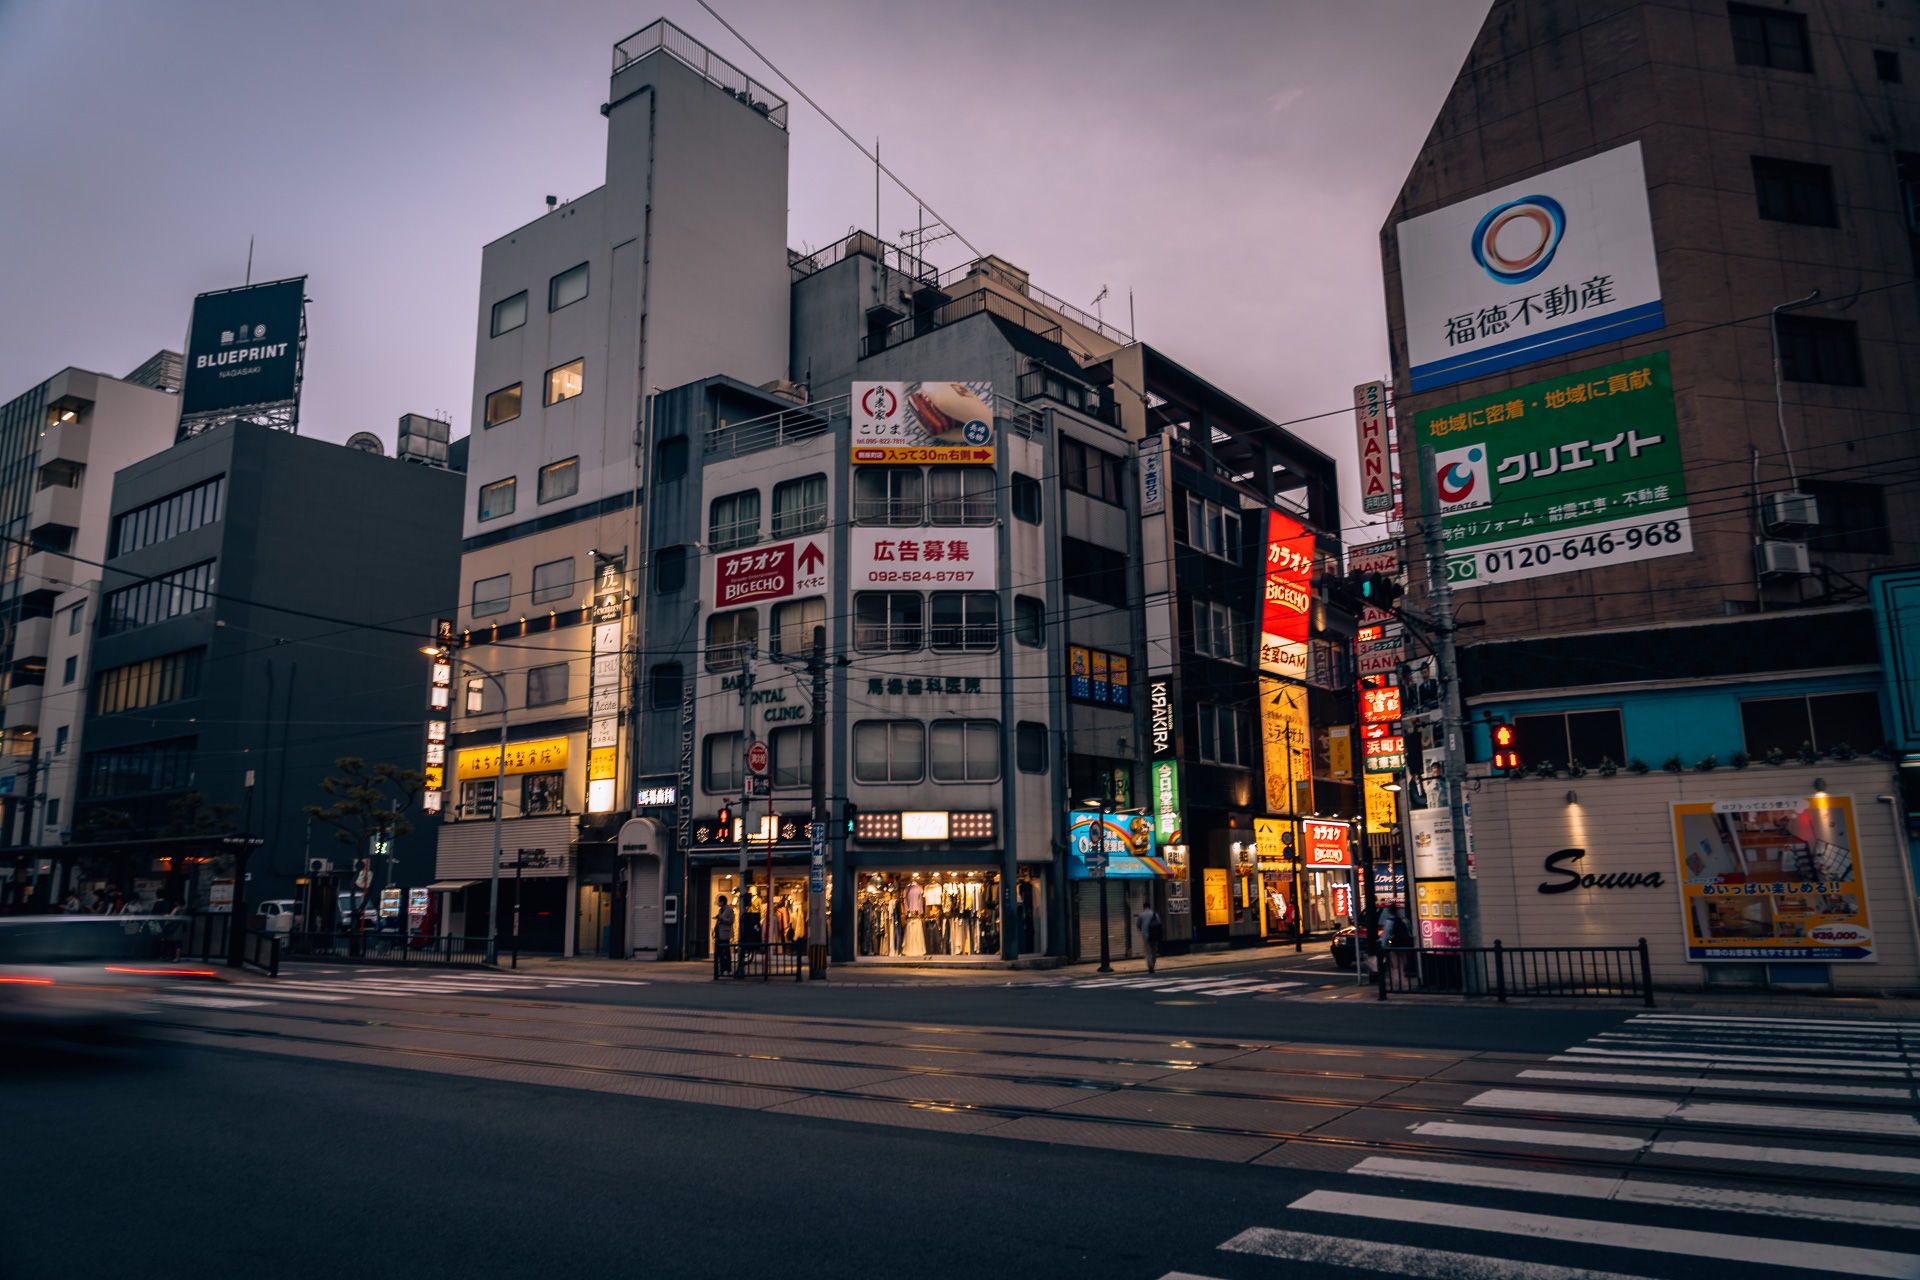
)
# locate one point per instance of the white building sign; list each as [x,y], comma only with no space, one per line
[923,557]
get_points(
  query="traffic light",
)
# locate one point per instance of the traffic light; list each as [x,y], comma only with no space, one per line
[1506,756]
[852,812]
[1380,590]
[726,822]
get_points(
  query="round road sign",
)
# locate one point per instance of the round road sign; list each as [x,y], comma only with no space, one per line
[757,757]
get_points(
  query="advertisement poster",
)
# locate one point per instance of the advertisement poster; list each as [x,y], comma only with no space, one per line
[1285,613]
[548,754]
[1576,472]
[1286,741]
[1435,902]
[243,347]
[1550,264]
[1324,844]
[1166,802]
[1127,839]
[1340,752]
[960,557]
[923,422]
[1382,808]
[771,573]
[1772,878]
[1432,837]
[1213,895]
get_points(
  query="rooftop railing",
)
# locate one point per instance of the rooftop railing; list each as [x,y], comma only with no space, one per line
[857,243]
[971,304]
[1050,301]
[786,426]
[664,36]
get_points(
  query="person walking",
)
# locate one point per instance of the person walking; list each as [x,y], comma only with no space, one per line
[1396,939]
[723,937]
[1148,922]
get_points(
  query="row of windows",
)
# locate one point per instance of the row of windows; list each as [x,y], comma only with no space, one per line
[555,481]
[563,290]
[1094,472]
[166,518]
[1214,529]
[551,581]
[182,591]
[883,751]
[151,766]
[1824,720]
[539,793]
[563,382]
[1777,39]
[170,678]
[924,495]
[883,622]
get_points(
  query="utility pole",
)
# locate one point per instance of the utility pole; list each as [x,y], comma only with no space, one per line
[740,896]
[1453,746]
[816,869]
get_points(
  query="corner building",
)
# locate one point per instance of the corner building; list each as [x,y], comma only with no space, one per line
[1668,250]
[938,469]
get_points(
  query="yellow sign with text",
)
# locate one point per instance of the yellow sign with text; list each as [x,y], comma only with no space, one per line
[1382,810]
[1213,894]
[1287,746]
[545,756]
[602,763]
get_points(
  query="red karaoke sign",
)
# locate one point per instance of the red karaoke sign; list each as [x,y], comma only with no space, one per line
[770,573]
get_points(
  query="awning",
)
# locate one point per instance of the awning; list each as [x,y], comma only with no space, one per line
[452,884]
[1123,867]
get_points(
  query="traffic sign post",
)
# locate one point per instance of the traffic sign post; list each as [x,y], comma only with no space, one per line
[757,758]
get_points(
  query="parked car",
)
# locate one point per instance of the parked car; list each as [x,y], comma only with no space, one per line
[1344,946]
[280,916]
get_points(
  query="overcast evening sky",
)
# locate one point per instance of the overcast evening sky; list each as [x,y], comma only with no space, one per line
[1229,163]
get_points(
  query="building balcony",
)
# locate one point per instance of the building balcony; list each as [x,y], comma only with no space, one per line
[787,426]
[66,441]
[1041,383]
[54,515]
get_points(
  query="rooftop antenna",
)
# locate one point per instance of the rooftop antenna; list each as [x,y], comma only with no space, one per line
[1133,326]
[249,259]
[552,201]
[1097,299]
[876,188]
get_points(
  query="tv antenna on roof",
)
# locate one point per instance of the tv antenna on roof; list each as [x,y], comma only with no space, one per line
[1098,298]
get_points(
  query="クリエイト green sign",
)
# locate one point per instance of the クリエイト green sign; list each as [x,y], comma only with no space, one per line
[1576,472]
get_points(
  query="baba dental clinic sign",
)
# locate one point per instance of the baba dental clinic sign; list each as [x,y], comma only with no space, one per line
[1551,264]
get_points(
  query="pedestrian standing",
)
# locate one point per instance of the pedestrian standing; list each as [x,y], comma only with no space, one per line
[1148,922]
[723,937]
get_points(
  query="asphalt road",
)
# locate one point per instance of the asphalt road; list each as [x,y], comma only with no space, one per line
[472,1125]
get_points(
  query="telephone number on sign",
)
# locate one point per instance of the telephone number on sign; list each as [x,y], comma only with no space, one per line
[1587,548]
[920,575]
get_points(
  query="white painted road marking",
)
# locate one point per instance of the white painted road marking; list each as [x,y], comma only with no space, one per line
[1823,1256]
[1595,1104]
[1796,1087]
[1535,1137]
[1395,1259]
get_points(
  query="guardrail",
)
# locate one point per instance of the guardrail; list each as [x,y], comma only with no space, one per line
[762,960]
[1501,971]
[391,948]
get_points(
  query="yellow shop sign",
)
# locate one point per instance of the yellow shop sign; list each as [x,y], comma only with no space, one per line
[545,756]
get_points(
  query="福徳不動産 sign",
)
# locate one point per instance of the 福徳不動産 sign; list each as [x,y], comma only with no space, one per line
[1576,472]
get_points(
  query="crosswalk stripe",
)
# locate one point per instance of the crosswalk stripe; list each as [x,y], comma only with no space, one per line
[1810,1046]
[1796,1087]
[1697,1112]
[1395,1259]
[1789,1155]
[1890,1024]
[1811,1256]
[1584,1186]
[1707,1062]
[1534,1137]
[1880,1068]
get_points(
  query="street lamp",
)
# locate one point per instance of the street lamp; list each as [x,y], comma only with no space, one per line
[499,791]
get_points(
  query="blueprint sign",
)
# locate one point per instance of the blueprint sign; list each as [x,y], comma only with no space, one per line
[1550,264]
[1577,472]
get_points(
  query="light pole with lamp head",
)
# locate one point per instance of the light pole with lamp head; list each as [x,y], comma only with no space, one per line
[499,788]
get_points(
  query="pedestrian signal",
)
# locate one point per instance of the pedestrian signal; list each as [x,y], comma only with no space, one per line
[1506,756]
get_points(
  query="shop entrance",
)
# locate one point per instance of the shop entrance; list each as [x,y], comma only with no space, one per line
[593,920]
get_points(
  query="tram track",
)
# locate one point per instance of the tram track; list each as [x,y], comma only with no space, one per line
[932,1099]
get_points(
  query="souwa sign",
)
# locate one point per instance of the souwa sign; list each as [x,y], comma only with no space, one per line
[1572,879]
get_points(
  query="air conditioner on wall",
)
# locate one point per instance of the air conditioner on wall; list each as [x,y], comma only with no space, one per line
[1781,560]
[1789,512]
[319,866]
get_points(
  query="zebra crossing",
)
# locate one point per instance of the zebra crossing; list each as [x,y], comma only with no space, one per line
[1680,1159]
[1240,984]
[324,987]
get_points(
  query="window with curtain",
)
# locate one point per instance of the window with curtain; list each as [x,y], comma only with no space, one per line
[793,756]
[724,768]
[734,521]
[960,495]
[799,506]
[964,750]
[731,637]
[888,495]
[553,580]
[793,624]
[889,751]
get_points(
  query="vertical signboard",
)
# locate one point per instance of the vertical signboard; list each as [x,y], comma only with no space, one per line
[1153,476]
[1772,878]
[1287,602]
[1575,472]
[1547,265]
[1376,467]
[1287,746]
[603,734]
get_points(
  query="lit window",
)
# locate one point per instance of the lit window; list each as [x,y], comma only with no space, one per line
[559,480]
[553,580]
[565,382]
[509,313]
[543,793]
[503,405]
[496,499]
[492,595]
[567,288]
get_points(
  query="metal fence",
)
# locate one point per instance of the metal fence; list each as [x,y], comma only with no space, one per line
[762,960]
[391,948]
[210,937]
[1501,971]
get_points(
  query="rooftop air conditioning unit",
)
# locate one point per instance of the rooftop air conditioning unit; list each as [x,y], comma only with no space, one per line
[1781,560]
[319,866]
[1790,512]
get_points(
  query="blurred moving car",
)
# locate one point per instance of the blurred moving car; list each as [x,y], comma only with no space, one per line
[1345,946]
[279,916]
[87,977]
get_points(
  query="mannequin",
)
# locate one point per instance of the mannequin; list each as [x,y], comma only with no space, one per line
[915,943]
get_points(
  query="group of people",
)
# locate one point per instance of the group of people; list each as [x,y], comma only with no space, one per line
[116,903]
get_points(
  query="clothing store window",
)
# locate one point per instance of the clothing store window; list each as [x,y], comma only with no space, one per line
[793,624]
[754,921]
[964,620]
[799,506]
[793,757]
[543,793]
[928,913]
[731,637]
[965,750]
[723,766]
[887,621]
[1030,746]
[889,751]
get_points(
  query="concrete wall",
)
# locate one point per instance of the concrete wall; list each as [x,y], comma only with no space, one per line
[1625,826]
